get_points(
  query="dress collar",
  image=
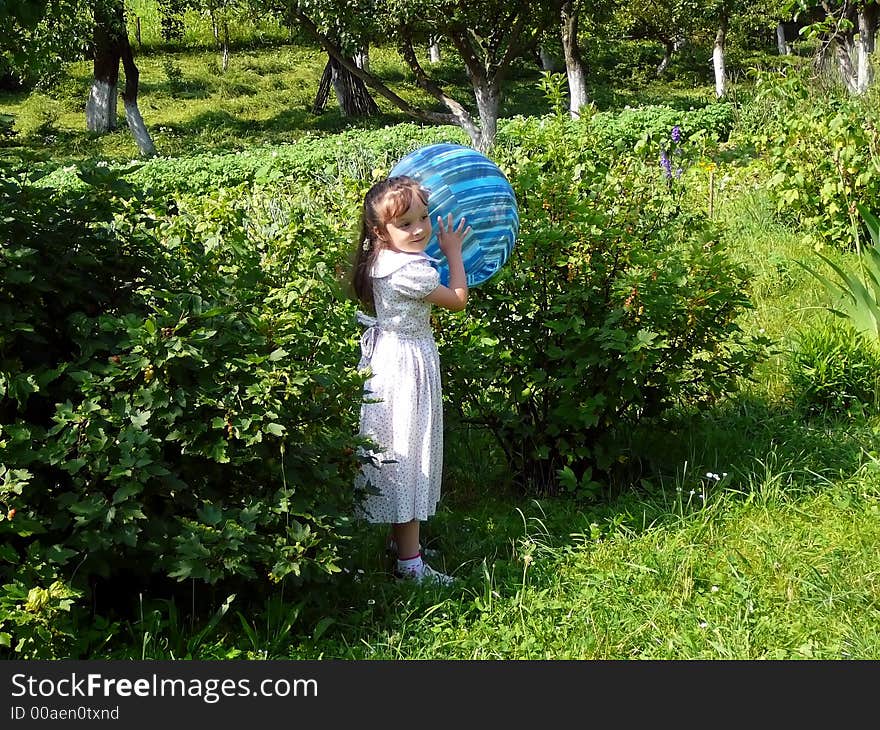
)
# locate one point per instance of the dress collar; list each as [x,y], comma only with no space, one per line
[388,261]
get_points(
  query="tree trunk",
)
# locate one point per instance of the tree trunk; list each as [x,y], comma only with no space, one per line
[214,29]
[867,29]
[129,97]
[488,96]
[782,44]
[101,105]
[352,94]
[574,62]
[667,57]
[546,59]
[362,57]
[843,52]
[434,49]
[224,63]
[111,46]
[718,59]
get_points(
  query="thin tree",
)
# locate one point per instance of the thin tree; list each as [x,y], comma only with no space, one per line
[574,62]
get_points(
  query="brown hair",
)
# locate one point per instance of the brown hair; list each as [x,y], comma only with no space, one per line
[383,202]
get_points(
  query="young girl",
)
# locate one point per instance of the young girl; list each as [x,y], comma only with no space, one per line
[402,412]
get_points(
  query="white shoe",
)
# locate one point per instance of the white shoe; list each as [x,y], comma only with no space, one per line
[427,575]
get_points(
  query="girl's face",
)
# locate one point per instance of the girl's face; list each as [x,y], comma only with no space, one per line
[410,231]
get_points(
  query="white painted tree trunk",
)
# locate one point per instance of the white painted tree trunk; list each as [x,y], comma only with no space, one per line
[225,60]
[667,57]
[844,51]
[574,62]
[138,129]
[865,71]
[362,58]
[718,62]
[782,44]
[577,88]
[488,97]
[434,50]
[548,61]
[101,107]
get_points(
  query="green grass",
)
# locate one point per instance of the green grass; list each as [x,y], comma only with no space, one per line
[773,559]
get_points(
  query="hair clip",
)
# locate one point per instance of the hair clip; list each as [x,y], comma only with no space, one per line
[366,244]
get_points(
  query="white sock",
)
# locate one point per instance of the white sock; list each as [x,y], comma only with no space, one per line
[413,566]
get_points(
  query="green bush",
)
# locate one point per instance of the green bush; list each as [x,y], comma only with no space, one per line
[176,399]
[821,150]
[617,304]
[833,369]
[313,161]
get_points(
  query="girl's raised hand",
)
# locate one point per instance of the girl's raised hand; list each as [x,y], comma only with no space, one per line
[450,240]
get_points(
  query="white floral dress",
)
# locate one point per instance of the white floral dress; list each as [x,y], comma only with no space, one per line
[402,412]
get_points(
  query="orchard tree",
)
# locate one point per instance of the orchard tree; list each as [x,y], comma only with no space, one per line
[352,94]
[674,22]
[221,13]
[111,45]
[486,34]
[668,22]
[577,21]
[847,33]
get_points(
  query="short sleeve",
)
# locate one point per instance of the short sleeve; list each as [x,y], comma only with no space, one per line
[415,280]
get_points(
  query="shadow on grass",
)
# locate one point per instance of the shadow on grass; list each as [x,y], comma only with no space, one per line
[750,439]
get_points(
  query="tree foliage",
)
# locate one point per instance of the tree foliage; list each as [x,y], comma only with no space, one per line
[31,48]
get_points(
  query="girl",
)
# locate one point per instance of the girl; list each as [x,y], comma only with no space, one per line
[402,412]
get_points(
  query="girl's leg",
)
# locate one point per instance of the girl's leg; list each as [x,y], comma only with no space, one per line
[410,565]
[406,535]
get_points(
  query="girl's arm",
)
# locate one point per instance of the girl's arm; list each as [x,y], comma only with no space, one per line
[454,296]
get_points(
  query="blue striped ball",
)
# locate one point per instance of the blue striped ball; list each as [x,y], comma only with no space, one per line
[464,182]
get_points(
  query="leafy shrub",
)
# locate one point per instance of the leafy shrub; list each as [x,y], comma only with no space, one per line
[832,369]
[628,131]
[314,159]
[821,150]
[617,304]
[177,389]
[188,411]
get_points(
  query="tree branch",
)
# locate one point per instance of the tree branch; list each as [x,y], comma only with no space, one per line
[424,82]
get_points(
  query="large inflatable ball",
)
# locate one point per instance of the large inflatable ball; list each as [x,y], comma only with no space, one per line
[464,182]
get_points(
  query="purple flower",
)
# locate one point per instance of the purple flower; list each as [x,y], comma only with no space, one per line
[676,134]
[666,164]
